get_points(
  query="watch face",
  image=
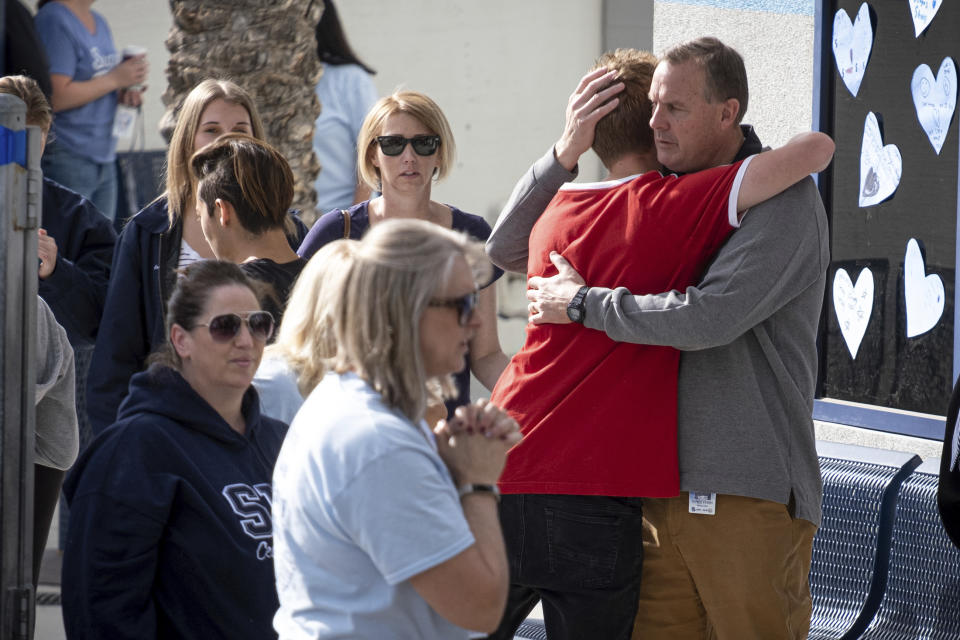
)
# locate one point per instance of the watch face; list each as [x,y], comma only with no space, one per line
[575,314]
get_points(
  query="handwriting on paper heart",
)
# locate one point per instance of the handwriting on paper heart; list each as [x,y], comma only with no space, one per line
[935,100]
[923,294]
[880,166]
[852,42]
[923,12]
[853,305]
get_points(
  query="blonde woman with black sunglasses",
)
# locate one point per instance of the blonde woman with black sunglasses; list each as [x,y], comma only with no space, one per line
[405,145]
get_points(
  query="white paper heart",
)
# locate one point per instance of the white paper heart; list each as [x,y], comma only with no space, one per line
[853,305]
[923,293]
[852,42]
[880,166]
[923,12]
[935,100]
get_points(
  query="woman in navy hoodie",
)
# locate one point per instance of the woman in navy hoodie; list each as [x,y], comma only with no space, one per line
[165,236]
[170,531]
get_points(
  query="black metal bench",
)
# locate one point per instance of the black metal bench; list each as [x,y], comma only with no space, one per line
[848,569]
[922,596]
[531,629]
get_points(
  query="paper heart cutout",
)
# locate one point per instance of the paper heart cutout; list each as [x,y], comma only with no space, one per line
[922,12]
[880,166]
[853,305]
[852,42]
[923,293]
[935,100]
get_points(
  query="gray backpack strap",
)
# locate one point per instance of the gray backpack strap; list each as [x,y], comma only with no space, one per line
[346,223]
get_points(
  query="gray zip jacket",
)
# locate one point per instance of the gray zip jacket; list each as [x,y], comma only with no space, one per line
[747,332]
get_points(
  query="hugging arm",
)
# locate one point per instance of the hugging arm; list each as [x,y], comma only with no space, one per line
[779,252]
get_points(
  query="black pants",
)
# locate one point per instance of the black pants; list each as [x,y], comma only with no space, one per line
[581,556]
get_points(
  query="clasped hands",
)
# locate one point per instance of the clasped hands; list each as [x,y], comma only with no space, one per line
[474,442]
[480,418]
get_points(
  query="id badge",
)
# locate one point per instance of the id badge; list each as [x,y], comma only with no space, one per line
[703,503]
[124,121]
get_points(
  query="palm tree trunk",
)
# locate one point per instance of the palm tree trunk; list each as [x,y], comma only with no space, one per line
[267,47]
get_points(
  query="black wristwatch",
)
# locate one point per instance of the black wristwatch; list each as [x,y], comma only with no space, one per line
[576,308]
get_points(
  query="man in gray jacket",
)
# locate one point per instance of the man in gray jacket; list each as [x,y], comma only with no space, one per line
[730,556]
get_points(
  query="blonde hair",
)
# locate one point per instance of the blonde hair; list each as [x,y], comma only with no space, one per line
[416,105]
[357,307]
[181,188]
[305,340]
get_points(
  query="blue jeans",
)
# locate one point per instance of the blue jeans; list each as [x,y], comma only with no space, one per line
[581,556]
[96,181]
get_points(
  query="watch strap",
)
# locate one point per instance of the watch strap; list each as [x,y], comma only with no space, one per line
[576,309]
[489,489]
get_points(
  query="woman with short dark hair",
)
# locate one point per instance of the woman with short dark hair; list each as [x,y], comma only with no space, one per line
[244,190]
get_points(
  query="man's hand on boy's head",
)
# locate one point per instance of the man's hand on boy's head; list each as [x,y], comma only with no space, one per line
[549,297]
[592,99]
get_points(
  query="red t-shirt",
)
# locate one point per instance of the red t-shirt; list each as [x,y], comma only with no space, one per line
[600,417]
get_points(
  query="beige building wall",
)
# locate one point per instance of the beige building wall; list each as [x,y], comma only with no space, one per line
[777,48]
[501,70]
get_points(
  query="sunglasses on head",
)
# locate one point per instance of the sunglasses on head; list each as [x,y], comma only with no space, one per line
[465,306]
[422,145]
[225,328]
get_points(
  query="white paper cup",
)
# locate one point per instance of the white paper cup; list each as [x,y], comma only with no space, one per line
[132,51]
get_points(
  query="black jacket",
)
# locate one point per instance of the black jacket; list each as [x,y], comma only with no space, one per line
[170,533]
[142,279]
[948,494]
[77,288]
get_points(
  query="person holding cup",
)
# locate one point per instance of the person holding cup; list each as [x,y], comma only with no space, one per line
[89,81]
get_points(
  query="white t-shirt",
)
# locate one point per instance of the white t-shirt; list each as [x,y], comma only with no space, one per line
[346,93]
[276,384]
[362,502]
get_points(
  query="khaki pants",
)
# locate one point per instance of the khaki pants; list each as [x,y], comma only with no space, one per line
[742,573]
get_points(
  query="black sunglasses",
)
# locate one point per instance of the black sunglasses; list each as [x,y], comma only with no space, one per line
[422,145]
[465,306]
[225,328]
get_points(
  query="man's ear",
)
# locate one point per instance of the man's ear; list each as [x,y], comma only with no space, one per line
[180,339]
[730,112]
[224,211]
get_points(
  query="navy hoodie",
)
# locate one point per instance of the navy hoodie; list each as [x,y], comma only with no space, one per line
[77,288]
[141,281]
[170,529]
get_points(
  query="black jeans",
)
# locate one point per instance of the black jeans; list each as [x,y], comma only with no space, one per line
[581,556]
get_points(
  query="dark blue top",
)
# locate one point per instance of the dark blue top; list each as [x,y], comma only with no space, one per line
[330,227]
[170,528]
[77,288]
[142,278]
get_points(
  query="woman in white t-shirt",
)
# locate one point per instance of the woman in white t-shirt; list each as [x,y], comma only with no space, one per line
[383,529]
